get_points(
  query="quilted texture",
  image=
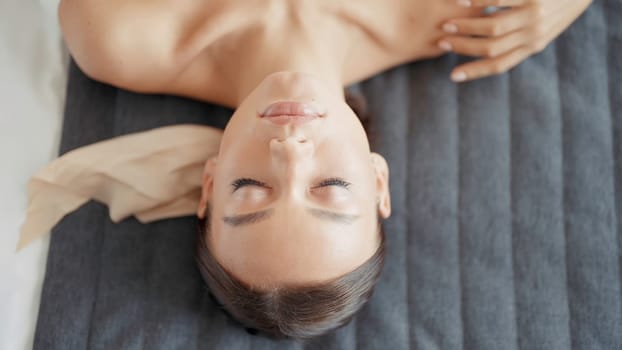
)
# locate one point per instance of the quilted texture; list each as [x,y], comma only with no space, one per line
[506,231]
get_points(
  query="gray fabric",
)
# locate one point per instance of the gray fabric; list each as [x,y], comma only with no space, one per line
[506,231]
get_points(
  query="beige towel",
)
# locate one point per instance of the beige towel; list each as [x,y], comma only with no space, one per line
[152,175]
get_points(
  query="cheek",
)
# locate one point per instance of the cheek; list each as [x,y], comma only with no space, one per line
[240,144]
[233,133]
[347,153]
[238,125]
[347,127]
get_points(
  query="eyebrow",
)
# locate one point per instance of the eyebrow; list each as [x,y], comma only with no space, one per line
[252,218]
[328,215]
[247,219]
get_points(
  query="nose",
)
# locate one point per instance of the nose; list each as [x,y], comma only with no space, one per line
[291,149]
[290,157]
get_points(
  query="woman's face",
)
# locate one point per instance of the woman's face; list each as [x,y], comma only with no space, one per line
[294,200]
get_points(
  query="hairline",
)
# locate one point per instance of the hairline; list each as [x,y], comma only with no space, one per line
[360,281]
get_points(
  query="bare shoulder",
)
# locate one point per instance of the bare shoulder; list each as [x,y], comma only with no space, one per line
[139,45]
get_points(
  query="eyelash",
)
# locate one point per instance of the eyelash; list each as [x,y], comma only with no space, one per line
[333,181]
[239,183]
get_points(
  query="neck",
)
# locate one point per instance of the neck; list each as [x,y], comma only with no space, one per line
[303,46]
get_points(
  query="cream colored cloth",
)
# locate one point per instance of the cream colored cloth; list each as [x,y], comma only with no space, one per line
[152,175]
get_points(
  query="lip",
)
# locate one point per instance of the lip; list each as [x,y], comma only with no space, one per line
[291,112]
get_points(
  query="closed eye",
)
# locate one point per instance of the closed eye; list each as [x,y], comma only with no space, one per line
[333,181]
[242,182]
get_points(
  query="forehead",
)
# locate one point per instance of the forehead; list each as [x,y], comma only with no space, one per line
[293,248]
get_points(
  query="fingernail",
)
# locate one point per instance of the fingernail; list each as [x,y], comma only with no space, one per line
[450,28]
[464,3]
[458,76]
[444,45]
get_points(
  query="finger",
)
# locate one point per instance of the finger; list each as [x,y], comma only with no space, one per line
[544,34]
[497,24]
[560,21]
[484,3]
[502,63]
[490,66]
[483,47]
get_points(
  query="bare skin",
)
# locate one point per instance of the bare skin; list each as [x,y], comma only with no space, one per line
[204,50]
[508,37]
[294,203]
[321,190]
[196,49]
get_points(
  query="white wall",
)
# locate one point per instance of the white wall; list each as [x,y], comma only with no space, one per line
[32,89]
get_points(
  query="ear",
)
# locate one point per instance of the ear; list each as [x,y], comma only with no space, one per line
[382,185]
[207,186]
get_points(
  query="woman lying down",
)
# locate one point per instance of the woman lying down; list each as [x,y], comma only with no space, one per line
[292,202]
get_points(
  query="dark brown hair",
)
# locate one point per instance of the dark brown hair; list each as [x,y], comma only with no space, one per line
[290,311]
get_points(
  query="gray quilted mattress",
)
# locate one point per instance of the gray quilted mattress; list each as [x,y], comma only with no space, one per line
[506,231]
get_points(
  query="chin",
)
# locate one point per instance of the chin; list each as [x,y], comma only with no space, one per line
[294,86]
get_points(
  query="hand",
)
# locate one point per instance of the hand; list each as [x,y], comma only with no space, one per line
[508,36]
